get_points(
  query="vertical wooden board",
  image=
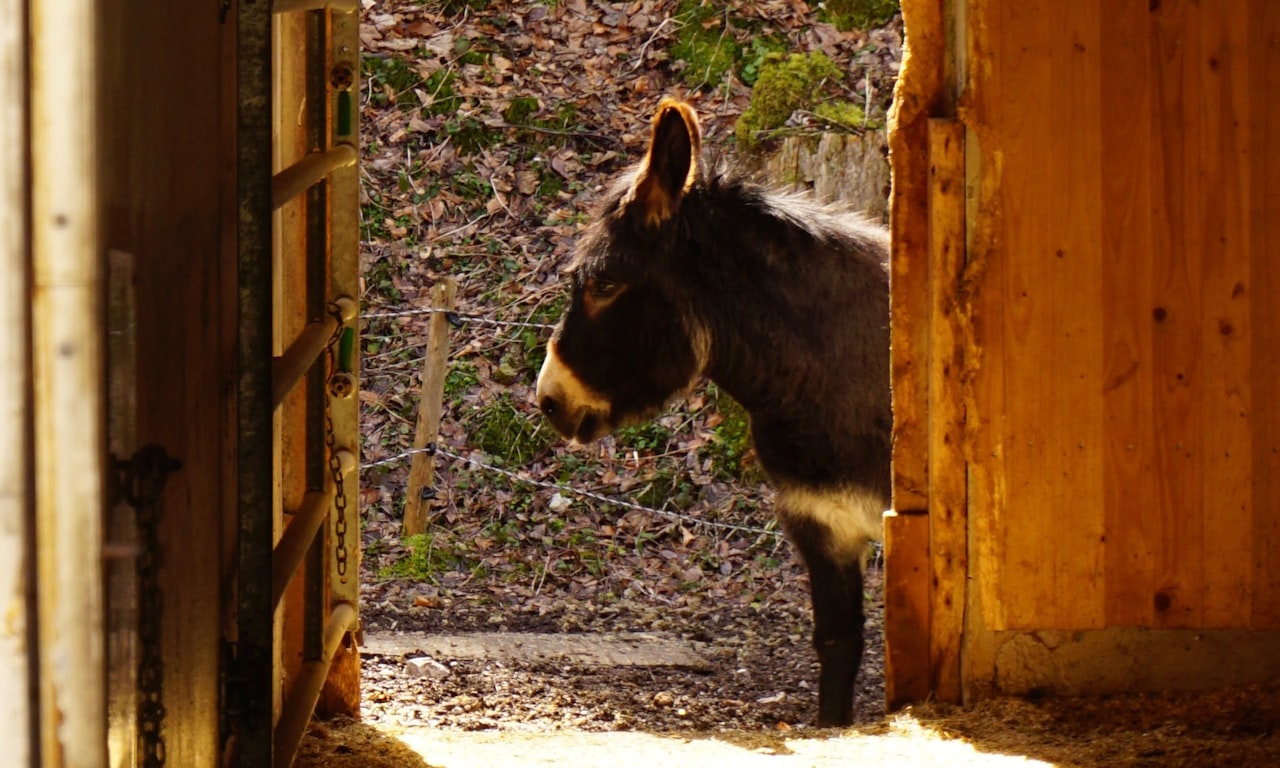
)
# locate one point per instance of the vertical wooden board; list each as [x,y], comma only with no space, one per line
[920,90]
[906,610]
[948,497]
[67,381]
[985,423]
[183,381]
[1133,519]
[1224,171]
[1050,135]
[1177,314]
[15,380]
[1264,239]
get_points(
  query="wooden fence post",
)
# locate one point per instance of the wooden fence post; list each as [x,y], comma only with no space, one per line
[430,406]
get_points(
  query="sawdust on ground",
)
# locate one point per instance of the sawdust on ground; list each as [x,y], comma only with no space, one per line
[1238,727]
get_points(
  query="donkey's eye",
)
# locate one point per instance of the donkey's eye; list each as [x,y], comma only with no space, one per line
[603,289]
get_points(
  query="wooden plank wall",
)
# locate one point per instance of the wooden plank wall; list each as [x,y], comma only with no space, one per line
[922,92]
[1124,433]
[167,158]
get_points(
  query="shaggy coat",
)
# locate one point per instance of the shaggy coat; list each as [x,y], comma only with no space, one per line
[686,273]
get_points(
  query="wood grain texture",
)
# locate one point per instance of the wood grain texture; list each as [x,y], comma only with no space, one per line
[1224,163]
[1264,242]
[948,492]
[430,407]
[15,379]
[165,156]
[921,93]
[907,610]
[984,387]
[1052,315]
[1122,451]
[1130,481]
[1177,229]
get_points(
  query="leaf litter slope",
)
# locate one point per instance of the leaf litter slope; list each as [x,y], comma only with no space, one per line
[487,131]
[488,128]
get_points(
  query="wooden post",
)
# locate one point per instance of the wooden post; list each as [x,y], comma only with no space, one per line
[15,380]
[66,354]
[429,408]
[948,487]
[906,609]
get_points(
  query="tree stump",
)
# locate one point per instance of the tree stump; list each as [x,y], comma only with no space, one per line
[837,167]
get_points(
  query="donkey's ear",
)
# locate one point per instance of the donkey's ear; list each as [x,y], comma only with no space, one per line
[671,166]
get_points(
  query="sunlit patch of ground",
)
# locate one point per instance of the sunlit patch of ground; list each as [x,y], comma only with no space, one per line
[1236,728]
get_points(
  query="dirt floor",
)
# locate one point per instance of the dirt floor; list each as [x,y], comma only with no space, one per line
[748,704]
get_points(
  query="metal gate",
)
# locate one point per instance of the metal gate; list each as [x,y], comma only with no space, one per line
[298,431]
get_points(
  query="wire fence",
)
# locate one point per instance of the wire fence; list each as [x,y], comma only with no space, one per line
[435,450]
[457,319]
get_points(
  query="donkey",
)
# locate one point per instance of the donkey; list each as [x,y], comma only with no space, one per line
[688,272]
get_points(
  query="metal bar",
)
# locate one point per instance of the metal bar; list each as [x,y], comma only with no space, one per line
[344,266]
[315,603]
[251,681]
[300,176]
[296,539]
[289,368]
[299,358]
[294,6]
[301,700]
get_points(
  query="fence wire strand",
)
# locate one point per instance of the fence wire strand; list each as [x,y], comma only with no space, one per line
[456,318]
[693,521]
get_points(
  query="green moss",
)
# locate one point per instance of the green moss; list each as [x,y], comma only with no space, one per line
[665,486]
[857,14]
[703,44]
[425,557]
[843,114]
[784,86]
[764,48]
[732,442]
[458,7]
[506,433]
[649,437]
[520,110]
[444,100]
[390,76]
[460,378]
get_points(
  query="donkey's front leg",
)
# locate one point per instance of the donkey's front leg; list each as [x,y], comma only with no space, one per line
[835,586]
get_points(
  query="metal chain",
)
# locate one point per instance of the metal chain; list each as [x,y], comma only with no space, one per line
[331,446]
[142,481]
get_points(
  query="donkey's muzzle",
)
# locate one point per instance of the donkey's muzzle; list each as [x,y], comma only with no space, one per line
[574,409]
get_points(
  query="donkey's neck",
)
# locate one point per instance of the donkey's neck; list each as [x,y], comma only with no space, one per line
[794,300]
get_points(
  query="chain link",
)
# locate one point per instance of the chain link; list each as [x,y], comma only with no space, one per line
[142,481]
[331,445]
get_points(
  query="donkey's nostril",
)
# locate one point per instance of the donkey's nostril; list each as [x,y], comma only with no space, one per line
[548,405]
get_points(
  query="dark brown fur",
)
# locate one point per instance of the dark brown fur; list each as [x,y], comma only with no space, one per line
[781,302]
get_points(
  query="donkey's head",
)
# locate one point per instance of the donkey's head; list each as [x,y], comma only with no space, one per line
[630,339]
